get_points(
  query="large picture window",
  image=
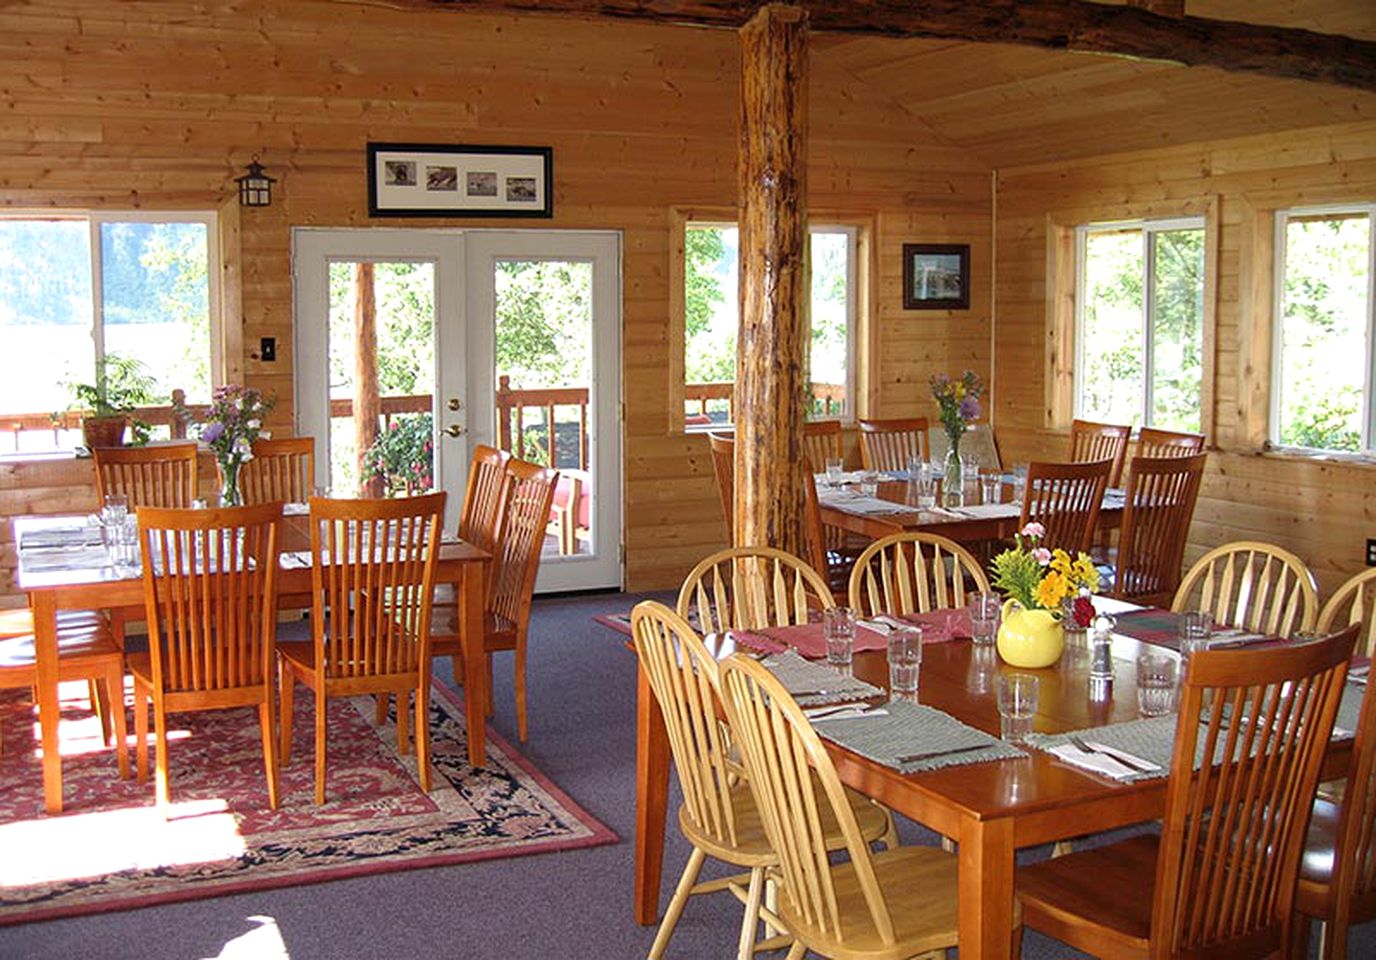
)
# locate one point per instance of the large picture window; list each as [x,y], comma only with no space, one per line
[1139,323]
[75,288]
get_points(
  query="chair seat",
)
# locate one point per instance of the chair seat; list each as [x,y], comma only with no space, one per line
[19,621]
[1315,888]
[74,644]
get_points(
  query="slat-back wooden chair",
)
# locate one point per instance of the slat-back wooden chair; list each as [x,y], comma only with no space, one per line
[821,440]
[724,467]
[914,573]
[1226,861]
[1255,586]
[1065,498]
[824,546]
[748,588]
[511,578]
[156,476]
[1353,602]
[485,497]
[372,582]
[890,444]
[1152,442]
[210,595]
[1161,494]
[282,468]
[1100,441]
[898,903]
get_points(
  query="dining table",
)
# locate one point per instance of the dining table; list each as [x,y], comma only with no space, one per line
[991,809]
[63,566]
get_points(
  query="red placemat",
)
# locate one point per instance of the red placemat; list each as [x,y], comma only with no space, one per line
[808,639]
[938,626]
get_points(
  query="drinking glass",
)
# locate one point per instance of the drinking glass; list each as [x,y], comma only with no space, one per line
[984,617]
[969,474]
[905,660]
[1017,705]
[834,470]
[926,485]
[991,487]
[1194,629]
[1019,483]
[838,627]
[869,483]
[116,508]
[1157,674]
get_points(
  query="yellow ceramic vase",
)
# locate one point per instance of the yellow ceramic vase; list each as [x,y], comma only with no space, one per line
[1029,638]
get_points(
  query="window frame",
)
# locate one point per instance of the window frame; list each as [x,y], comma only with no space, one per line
[1282,217]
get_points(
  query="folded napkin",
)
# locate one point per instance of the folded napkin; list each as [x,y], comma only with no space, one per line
[856,503]
[1106,762]
[990,511]
[809,639]
[1148,743]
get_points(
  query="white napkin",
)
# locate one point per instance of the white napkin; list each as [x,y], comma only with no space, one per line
[1102,763]
[984,511]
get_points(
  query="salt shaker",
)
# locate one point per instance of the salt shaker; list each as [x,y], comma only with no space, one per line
[1101,658]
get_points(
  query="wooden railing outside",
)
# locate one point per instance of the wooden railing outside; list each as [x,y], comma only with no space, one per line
[511,417]
[828,398]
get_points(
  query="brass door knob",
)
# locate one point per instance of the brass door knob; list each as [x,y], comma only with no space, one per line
[454,430]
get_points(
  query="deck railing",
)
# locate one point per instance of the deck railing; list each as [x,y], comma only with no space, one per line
[829,399]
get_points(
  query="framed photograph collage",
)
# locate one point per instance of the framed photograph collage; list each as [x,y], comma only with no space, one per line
[434,180]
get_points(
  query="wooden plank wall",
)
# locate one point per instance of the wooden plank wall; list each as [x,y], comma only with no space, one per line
[1321,509]
[160,105]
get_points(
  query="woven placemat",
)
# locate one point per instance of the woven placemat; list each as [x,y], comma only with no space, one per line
[908,729]
[813,684]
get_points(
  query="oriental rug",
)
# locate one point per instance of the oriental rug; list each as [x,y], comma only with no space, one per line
[112,850]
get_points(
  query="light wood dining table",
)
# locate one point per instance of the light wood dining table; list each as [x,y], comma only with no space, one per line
[91,582]
[991,809]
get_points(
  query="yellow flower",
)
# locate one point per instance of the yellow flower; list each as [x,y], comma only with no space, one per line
[1085,572]
[1060,562]
[958,391]
[1054,588]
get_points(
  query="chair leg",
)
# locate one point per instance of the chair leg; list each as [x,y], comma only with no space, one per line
[751,921]
[141,730]
[487,704]
[320,706]
[100,706]
[403,722]
[890,837]
[267,721]
[114,691]
[383,701]
[1017,942]
[160,769]
[796,951]
[286,686]
[520,670]
[456,665]
[675,908]
[423,733]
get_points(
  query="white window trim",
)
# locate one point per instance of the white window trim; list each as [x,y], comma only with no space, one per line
[1368,409]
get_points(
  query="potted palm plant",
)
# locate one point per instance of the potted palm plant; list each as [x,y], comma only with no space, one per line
[122,385]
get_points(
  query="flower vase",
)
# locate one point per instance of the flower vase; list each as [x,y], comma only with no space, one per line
[1029,638]
[230,495]
[953,480]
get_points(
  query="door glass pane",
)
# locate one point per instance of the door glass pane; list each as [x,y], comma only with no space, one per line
[1177,325]
[396,302]
[544,330]
[1111,382]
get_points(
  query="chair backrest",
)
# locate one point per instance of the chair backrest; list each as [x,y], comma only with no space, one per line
[1233,829]
[890,444]
[281,469]
[1100,441]
[817,537]
[210,595]
[484,498]
[821,440]
[1161,494]
[747,588]
[914,573]
[1354,861]
[373,573]
[683,676]
[1353,602]
[979,443]
[520,540]
[792,779]
[1065,498]
[155,476]
[724,466]
[1166,443]
[1256,586]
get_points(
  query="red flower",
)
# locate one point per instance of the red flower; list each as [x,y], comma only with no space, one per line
[1083,611]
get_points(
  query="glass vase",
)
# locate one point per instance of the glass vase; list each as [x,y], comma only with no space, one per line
[953,480]
[230,494]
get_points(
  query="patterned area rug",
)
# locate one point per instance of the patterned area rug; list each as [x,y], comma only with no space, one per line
[112,850]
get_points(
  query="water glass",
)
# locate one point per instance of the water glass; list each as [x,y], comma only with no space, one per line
[969,474]
[1193,630]
[984,617]
[121,541]
[1157,675]
[869,483]
[905,660]
[1019,483]
[1017,705]
[835,468]
[991,487]
[926,485]
[115,509]
[838,627]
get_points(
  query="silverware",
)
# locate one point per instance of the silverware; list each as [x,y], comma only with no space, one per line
[1112,754]
[817,713]
[933,754]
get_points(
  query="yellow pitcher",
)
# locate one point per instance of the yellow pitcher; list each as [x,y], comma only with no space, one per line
[1029,638]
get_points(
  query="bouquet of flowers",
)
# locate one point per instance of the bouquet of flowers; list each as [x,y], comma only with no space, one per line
[958,402]
[403,455]
[233,421]
[1043,579]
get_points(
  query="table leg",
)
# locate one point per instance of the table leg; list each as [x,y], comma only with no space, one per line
[472,600]
[44,608]
[651,800]
[985,913]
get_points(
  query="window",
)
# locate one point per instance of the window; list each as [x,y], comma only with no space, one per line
[74,288]
[712,318]
[1322,372]
[1139,323]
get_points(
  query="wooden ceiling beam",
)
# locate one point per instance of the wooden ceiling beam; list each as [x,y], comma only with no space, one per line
[1078,25]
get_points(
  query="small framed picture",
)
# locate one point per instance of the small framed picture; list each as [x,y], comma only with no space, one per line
[936,276]
[463,180]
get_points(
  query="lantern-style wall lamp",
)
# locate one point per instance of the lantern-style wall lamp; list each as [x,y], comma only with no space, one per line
[255,187]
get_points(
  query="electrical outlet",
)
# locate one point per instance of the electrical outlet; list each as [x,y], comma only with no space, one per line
[267,349]
[1371,551]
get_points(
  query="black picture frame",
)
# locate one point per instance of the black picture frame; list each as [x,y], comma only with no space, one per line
[460,180]
[936,276]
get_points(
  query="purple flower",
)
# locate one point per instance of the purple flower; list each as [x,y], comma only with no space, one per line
[969,408]
[213,431]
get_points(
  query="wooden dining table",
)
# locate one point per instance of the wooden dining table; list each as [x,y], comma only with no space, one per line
[91,582]
[991,809]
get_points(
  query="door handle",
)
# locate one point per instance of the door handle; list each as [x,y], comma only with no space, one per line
[455,404]
[454,430]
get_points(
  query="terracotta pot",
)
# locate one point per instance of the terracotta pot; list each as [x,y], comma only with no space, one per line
[103,431]
[1029,638]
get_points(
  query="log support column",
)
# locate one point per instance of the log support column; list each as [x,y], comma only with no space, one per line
[774,286]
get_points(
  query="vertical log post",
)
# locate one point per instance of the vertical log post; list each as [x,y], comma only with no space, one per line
[770,386]
[367,402]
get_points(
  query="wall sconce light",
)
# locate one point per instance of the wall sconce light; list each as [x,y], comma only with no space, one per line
[255,187]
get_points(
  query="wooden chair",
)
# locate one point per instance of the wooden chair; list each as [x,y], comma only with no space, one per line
[1338,868]
[1165,443]
[747,588]
[156,476]
[1352,603]
[1255,586]
[1065,498]
[979,443]
[372,580]
[281,469]
[1161,494]
[894,904]
[210,594]
[821,440]
[718,816]
[511,578]
[484,497]
[1219,881]
[914,573]
[1100,441]
[890,444]
[724,466]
